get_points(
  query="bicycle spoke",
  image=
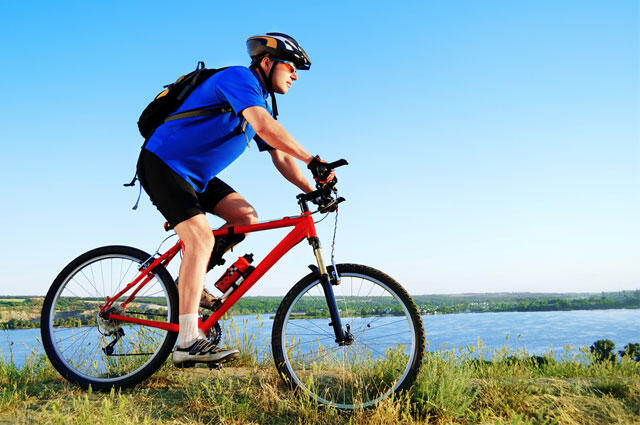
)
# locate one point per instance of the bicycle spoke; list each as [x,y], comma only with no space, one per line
[78,346]
[321,330]
[102,275]
[81,287]
[90,283]
[76,340]
[314,335]
[378,327]
[123,277]
[111,276]
[73,293]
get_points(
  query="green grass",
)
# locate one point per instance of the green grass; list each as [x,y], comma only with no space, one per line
[454,387]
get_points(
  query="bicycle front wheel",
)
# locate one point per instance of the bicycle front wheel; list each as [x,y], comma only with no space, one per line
[89,350]
[388,339]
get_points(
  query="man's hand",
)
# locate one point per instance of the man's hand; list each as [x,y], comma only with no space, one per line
[321,171]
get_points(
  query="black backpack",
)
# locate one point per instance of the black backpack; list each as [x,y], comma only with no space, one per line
[160,110]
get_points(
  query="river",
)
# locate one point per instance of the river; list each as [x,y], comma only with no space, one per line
[535,332]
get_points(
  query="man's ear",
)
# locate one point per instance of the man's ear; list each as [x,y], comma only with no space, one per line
[266,63]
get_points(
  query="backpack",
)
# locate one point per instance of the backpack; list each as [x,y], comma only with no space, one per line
[162,107]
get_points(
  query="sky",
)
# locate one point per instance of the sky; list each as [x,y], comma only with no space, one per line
[493,146]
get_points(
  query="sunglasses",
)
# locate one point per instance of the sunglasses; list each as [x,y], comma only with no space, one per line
[290,66]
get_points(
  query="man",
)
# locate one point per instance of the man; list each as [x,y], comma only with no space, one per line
[179,162]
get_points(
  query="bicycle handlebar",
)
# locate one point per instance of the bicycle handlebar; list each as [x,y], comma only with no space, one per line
[338,163]
[323,191]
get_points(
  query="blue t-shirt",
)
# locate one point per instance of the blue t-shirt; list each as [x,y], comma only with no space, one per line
[198,148]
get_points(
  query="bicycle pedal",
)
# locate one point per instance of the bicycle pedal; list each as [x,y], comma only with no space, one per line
[214,365]
[185,365]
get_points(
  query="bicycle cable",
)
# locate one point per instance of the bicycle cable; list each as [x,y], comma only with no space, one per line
[325,216]
[333,246]
[152,256]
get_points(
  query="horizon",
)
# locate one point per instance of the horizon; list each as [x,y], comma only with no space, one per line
[413,295]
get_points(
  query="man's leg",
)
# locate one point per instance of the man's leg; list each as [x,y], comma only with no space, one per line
[235,210]
[198,241]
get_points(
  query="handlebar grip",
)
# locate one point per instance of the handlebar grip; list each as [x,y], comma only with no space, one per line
[338,163]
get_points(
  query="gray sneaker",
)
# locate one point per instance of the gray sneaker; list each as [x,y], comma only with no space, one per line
[203,351]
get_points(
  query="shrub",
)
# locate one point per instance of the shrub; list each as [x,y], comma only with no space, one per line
[602,350]
[632,350]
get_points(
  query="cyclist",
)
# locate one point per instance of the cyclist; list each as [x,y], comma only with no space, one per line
[178,165]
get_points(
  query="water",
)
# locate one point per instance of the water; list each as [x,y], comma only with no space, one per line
[536,332]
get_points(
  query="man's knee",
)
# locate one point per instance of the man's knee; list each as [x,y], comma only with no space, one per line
[244,216]
[250,217]
[196,236]
[236,211]
[201,244]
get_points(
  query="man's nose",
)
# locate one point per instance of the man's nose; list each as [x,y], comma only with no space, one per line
[294,76]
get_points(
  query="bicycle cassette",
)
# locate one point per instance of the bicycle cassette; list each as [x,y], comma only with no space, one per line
[110,326]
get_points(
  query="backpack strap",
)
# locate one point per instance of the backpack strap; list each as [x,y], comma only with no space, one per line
[200,112]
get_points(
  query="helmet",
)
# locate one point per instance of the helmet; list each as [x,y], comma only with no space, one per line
[278,46]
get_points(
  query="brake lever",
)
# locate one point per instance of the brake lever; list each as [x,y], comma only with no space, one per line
[334,203]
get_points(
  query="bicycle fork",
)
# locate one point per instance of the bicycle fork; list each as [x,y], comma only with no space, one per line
[343,337]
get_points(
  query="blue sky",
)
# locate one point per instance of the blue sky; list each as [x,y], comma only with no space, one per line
[494,146]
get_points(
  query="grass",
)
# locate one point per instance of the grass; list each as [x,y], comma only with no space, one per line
[454,387]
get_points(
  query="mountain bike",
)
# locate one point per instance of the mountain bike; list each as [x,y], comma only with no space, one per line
[348,335]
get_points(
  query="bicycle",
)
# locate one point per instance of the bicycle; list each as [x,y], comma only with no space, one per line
[110,318]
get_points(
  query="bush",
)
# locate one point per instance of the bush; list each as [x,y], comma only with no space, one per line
[632,350]
[602,350]
[539,361]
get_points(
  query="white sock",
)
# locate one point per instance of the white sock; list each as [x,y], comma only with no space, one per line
[188,329]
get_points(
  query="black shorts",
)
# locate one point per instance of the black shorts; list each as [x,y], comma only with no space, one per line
[176,199]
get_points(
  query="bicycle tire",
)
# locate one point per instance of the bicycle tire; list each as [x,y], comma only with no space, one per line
[84,284]
[370,370]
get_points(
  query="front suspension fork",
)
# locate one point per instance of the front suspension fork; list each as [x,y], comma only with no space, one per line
[342,337]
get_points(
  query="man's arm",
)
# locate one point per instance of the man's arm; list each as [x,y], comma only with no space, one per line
[290,170]
[274,134]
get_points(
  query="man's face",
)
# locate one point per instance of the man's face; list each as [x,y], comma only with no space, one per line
[283,76]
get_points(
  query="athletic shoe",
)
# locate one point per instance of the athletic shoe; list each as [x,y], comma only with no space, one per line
[205,352]
[207,300]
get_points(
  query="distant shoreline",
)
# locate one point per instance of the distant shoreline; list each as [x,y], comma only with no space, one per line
[23,312]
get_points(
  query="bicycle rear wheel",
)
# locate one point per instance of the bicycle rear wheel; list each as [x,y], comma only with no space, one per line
[388,339]
[88,350]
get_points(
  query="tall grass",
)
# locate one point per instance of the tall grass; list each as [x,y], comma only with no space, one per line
[455,386]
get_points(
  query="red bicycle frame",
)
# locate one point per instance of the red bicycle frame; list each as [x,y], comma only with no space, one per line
[303,228]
